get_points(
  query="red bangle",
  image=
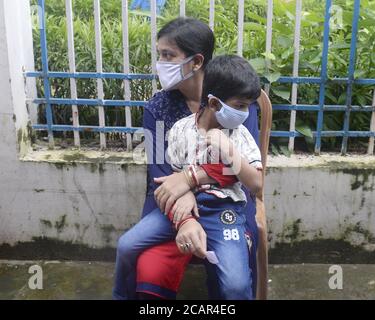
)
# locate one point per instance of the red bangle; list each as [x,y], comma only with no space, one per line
[170,215]
[179,225]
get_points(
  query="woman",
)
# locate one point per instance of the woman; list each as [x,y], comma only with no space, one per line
[185,46]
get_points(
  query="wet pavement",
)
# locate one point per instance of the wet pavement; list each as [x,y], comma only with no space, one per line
[93,280]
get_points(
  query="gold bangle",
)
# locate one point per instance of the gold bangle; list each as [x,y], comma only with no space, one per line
[192,183]
[188,179]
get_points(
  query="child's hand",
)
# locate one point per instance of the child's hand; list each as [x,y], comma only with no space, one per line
[219,141]
[184,206]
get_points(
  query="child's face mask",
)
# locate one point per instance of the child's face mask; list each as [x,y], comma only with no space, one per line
[228,117]
[172,73]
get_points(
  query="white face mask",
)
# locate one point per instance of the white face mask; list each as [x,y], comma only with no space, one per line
[172,73]
[228,117]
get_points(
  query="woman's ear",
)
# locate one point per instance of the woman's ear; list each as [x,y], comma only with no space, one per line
[198,62]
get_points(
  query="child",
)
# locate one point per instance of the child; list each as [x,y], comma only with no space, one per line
[230,85]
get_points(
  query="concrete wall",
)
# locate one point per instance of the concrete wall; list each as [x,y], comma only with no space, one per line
[90,198]
[326,197]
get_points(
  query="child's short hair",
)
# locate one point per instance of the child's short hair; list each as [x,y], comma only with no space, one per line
[229,76]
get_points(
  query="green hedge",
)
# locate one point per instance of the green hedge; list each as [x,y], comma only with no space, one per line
[226,35]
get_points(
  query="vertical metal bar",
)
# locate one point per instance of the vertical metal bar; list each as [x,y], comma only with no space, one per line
[44,51]
[153,43]
[269,39]
[297,35]
[349,94]
[370,149]
[212,15]
[72,68]
[241,14]
[323,76]
[99,68]
[182,8]
[127,92]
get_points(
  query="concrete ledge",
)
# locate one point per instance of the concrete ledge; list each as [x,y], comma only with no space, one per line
[69,156]
[325,160]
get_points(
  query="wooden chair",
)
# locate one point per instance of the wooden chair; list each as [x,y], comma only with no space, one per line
[262,252]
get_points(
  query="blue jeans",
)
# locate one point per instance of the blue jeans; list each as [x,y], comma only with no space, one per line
[224,224]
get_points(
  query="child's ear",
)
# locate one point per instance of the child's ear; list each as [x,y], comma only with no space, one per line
[214,104]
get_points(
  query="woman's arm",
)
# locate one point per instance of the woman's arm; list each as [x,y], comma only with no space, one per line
[155,148]
[174,186]
[157,166]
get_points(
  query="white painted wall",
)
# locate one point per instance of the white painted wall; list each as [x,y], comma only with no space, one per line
[92,205]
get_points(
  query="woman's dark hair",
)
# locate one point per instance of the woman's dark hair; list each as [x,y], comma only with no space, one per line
[229,76]
[191,36]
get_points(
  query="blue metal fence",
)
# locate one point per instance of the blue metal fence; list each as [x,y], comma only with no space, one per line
[320,108]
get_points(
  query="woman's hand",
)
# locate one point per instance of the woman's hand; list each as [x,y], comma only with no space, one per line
[184,207]
[192,233]
[172,187]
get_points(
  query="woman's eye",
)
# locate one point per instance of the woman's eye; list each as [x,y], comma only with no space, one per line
[164,56]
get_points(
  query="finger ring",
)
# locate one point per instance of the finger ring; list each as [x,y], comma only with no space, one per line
[187,245]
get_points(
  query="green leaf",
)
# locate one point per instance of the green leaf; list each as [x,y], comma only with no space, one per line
[269,56]
[287,53]
[272,77]
[249,26]
[282,93]
[359,73]
[282,28]
[274,150]
[259,64]
[331,97]
[285,42]
[341,45]
[285,151]
[361,100]
[304,130]
[342,98]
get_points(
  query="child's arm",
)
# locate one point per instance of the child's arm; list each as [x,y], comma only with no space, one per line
[247,174]
[212,173]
